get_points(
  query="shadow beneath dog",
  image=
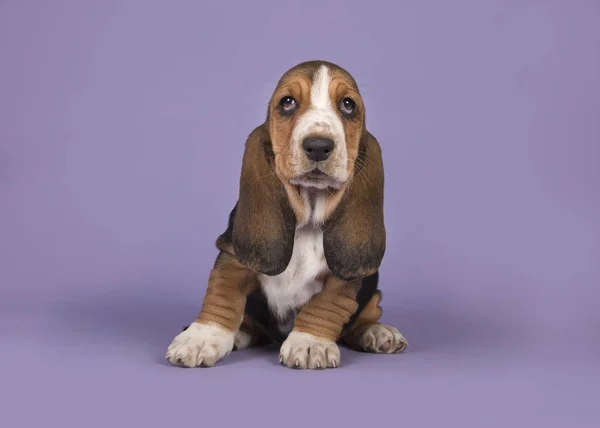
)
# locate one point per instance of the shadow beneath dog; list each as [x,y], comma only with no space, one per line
[141,324]
[431,324]
[434,327]
[144,323]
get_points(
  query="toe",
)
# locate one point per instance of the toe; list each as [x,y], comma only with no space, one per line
[317,357]
[369,341]
[385,346]
[305,351]
[299,358]
[333,356]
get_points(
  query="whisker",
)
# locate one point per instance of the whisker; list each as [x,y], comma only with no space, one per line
[362,177]
[365,176]
[361,172]
[371,162]
[260,177]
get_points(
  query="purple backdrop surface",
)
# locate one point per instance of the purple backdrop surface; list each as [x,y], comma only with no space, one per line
[121,133]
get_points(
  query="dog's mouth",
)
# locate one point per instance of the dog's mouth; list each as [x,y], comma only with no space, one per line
[316,179]
[316,174]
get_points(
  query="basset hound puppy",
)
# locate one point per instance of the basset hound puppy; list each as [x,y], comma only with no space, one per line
[298,263]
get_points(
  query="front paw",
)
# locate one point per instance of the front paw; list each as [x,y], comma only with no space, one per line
[200,345]
[306,351]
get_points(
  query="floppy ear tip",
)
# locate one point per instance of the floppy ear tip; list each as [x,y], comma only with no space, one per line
[355,268]
[264,259]
[354,274]
[272,270]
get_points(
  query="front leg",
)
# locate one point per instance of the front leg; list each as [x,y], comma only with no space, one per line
[312,342]
[212,335]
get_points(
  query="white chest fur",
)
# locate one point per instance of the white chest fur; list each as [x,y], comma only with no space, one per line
[297,284]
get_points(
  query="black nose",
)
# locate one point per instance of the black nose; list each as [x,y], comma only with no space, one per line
[317,148]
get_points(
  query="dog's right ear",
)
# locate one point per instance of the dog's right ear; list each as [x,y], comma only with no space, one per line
[264,223]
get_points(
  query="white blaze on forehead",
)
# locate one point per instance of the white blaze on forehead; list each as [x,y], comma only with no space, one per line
[319,91]
[321,119]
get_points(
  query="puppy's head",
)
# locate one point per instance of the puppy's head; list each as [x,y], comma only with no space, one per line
[316,119]
[314,137]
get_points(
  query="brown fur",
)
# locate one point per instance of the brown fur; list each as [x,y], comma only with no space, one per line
[354,232]
[297,83]
[262,226]
[339,88]
[229,283]
[354,235]
[269,207]
[327,312]
[370,314]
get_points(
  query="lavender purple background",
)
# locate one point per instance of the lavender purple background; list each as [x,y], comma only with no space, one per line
[122,126]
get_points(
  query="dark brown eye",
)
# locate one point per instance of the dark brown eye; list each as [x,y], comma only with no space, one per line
[347,106]
[287,104]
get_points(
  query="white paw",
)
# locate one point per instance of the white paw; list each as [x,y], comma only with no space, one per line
[383,339]
[306,351]
[200,345]
[242,339]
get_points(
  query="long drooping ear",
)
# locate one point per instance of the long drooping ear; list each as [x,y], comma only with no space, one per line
[354,235]
[264,224]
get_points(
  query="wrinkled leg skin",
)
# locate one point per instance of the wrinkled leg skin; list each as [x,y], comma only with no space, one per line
[323,321]
[330,316]
[220,326]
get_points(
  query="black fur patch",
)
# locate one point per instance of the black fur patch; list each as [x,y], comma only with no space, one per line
[258,310]
[367,290]
[227,236]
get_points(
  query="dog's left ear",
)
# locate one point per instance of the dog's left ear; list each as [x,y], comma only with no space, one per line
[354,235]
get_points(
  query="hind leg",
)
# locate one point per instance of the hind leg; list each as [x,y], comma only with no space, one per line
[369,335]
[249,334]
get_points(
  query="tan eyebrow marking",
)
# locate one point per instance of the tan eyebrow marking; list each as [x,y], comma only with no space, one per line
[339,83]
